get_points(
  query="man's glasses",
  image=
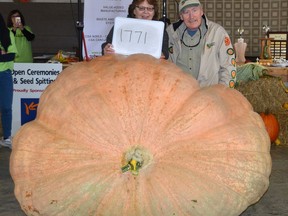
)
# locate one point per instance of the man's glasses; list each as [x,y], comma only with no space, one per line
[141,8]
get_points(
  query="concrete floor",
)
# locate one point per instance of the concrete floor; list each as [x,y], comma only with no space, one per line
[274,202]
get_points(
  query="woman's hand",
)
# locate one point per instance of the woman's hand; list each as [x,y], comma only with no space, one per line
[2,52]
[17,24]
[20,26]
[108,49]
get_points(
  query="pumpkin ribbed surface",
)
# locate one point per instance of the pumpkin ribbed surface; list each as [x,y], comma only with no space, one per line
[199,151]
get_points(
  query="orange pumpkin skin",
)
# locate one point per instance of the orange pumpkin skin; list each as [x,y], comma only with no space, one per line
[202,151]
[271,124]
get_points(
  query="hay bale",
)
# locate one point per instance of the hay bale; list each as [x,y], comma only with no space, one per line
[268,93]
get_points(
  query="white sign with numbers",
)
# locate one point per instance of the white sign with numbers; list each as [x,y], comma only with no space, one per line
[133,36]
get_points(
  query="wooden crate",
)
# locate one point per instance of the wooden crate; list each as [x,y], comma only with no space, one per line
[279,72]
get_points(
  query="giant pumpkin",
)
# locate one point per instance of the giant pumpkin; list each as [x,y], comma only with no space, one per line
[137,136]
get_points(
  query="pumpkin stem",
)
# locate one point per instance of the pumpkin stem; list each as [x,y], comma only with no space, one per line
[133,166]
[267,111]
[134,159]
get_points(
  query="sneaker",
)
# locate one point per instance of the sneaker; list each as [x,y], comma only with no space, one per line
[6,143]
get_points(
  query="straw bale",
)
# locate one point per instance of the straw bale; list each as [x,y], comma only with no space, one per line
[268,93]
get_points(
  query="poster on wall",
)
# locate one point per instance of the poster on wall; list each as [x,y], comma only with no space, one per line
[98,20]
[29,82]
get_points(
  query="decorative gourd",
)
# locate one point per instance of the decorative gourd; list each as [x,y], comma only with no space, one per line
[137,136]
[271,124]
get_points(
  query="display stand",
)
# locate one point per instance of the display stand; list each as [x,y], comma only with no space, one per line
[240,49]
[265,56]
[80,26]
[164,14]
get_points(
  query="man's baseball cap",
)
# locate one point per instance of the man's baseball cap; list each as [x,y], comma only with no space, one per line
[185,3]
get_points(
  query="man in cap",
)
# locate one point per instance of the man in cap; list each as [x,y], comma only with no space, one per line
[201,47]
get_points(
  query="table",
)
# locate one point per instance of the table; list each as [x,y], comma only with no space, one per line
[279,72]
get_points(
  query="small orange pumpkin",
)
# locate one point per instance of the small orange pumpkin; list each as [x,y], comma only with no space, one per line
[271,124]
[136,136]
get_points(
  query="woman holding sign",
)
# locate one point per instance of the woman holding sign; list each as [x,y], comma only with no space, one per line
[139,9]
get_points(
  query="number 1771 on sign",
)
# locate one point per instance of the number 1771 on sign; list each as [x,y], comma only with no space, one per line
[133,36]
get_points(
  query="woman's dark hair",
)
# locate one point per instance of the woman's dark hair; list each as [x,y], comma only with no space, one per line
[135,3]
[9,18]
[4,34]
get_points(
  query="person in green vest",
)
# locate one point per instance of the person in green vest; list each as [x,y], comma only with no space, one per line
[23,36]
[8,51]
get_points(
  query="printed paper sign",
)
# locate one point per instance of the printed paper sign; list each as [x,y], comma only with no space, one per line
[133,36]
[29,82]
[98,21]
